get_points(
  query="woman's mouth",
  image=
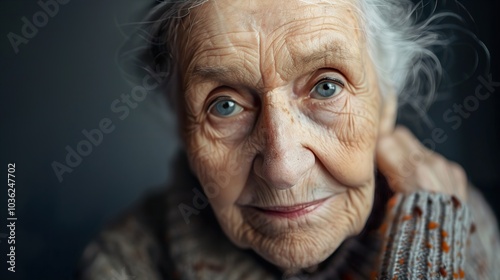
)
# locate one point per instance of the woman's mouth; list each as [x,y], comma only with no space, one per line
[292,211]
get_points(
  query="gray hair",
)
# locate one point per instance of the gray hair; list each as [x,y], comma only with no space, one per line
[400,44]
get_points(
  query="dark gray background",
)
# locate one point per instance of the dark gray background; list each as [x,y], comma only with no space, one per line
[64,80]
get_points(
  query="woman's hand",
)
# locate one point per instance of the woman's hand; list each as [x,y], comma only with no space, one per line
[409,166]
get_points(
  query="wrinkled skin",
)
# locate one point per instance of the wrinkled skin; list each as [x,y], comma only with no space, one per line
[283,144]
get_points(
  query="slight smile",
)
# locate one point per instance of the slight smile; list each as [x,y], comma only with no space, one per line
[293,211]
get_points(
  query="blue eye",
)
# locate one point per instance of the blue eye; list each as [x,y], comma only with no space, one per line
[225,108]
[326,88]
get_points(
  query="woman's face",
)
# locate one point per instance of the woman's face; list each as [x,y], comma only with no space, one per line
[282,110]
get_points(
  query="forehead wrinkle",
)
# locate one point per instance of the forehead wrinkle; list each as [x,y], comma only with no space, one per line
[285,44]
[289,52]
[220,73]
[318,32]
[308,55]
[222,57]
[332,50]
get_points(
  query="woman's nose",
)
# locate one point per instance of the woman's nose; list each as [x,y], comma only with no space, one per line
[283,159]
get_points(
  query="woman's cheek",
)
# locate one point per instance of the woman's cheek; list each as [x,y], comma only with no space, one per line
[350,210]
[349,143]
[347,118]
[222,173]
[231,131]
[360,205]
[352,172]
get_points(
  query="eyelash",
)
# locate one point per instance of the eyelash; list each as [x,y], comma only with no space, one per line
[335,80]
[215,100]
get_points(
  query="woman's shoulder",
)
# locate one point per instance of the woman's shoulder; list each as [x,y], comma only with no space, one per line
[131,246]
[134,246]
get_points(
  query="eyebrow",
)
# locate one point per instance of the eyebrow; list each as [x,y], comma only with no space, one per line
[319,57]
[225,74]
[338,51]
[214,72]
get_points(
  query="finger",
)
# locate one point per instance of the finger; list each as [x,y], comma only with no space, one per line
[439,175]
[415,151]
[433,175]
[426,178]
[390,157]
[460,180]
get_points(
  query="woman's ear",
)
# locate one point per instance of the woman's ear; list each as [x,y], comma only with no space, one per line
[388,114]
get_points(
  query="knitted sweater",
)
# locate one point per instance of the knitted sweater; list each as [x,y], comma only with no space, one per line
[418,236]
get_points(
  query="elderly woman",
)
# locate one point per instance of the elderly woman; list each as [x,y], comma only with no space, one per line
[292,166]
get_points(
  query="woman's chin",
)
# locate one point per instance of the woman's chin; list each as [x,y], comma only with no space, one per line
[297,252]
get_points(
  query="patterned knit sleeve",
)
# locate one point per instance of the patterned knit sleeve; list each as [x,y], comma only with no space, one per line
[425,237]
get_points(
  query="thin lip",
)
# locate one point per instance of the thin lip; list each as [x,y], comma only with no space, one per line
[292,210]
